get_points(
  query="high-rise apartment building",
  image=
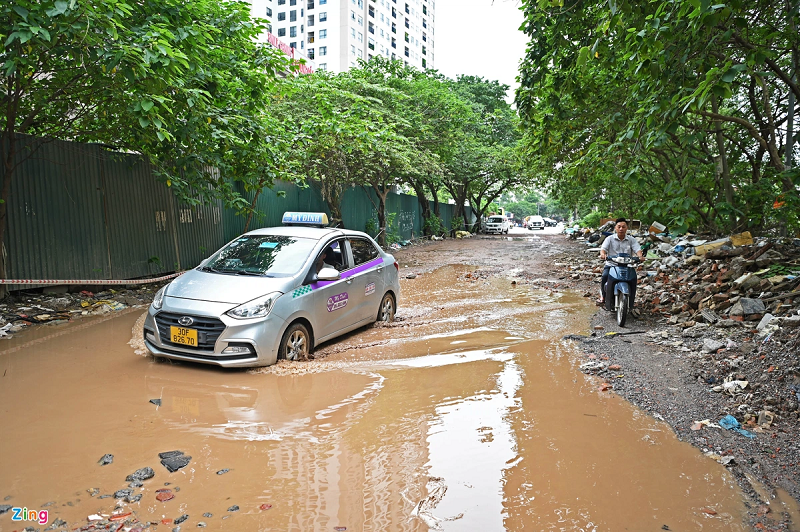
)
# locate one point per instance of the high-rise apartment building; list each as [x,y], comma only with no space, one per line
[334,34]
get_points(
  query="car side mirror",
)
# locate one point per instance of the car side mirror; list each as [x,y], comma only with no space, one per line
[328,274]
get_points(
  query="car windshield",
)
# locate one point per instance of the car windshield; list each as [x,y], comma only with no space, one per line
[497,220]
[266,255]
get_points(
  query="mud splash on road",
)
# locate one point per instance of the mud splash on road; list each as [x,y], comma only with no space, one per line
[469,413]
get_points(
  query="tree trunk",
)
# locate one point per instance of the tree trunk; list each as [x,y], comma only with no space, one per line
[423,205]
[382,215]
[252,210]
[724,172]
[8,142]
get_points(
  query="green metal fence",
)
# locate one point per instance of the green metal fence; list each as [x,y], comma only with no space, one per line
[81,211]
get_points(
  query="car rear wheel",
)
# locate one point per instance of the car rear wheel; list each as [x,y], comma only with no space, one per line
[295,344]
[387,308]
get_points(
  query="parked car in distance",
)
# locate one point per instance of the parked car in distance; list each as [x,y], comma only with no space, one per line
[549,222]
[536,222]
[274,293]
[497,224]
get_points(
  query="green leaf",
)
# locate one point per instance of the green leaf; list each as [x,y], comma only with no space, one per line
[583,55]
[146,105]
[22,12]
[143,122]
[730,75]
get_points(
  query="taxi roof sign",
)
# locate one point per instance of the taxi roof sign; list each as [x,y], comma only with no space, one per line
[314,219]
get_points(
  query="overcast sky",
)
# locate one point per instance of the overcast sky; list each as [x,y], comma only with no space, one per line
[479,37]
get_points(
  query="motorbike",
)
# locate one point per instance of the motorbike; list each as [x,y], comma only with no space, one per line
[622,273]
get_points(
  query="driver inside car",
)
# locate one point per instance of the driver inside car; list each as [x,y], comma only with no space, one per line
[325,259]
[619,242]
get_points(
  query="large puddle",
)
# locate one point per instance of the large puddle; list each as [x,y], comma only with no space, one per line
[467,414]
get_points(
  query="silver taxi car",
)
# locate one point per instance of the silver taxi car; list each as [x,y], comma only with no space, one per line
[274,293]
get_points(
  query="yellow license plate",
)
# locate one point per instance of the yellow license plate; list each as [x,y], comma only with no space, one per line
[183,336]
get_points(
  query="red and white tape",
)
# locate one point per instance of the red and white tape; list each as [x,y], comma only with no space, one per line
[89,281]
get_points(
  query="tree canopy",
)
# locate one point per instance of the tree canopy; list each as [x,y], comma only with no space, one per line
[676,110]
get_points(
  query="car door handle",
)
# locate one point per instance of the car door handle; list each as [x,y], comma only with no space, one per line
[379,268]
[349,281]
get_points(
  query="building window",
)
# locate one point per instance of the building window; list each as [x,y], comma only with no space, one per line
[406,36]
[371,43]
[371,27]
[372,11]
[293,16]
[353,32]
[423,51]
[269,11]
[407,53]
[293,45]
[292,2]
[352,49]
[424,37]
[360,20]
[310,4]
[360,37]
[310,37]
[323,66]
[394,43]
[281,2]
[281,16]
[424,24]
[424,63]
[408,10]
[323,2]
[323,17]
[311,53]
[310,20]
[323,50]
[394,27]
[361,4]
[323,34]
[424,9]
[281,32]
[293,33]
[394,13]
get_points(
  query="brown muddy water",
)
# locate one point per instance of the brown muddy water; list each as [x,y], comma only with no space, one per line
[468,413]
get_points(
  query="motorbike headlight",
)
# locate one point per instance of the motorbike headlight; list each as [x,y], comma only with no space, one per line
[158,300]
[257,308]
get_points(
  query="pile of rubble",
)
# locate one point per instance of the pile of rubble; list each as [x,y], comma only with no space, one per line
[725,284]
[21,310]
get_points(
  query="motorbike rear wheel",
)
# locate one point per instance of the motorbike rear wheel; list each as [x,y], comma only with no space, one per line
[622,309]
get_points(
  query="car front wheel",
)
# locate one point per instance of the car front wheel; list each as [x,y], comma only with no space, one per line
[387,309]
[295,344]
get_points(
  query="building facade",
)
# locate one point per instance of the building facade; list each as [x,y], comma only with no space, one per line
[333,34]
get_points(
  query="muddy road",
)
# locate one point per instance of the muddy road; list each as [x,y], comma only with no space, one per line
[467,413]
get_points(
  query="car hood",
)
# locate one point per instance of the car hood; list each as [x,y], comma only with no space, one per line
[223,288]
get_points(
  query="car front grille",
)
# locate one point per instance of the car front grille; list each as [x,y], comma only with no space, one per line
[208,330]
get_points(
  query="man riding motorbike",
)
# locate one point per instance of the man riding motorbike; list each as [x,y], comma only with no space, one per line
[619,242]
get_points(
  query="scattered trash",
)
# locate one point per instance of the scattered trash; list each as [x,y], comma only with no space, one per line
[731,423]
[106,459]
[156,402]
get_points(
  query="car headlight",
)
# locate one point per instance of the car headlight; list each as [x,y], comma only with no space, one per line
[158,300]
[257,308]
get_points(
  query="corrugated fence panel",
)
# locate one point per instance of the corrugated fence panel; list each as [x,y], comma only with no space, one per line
[140,217]
[357,208]
[55,213]
[78,211]
[200,233]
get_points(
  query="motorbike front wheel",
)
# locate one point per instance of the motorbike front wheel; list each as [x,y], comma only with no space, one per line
[622,309]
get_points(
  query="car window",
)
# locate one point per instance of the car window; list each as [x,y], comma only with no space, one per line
[270,255]
[363,251]
[496,220]
[333,255]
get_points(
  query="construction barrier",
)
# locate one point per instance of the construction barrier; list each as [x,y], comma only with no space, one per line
[89,281]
